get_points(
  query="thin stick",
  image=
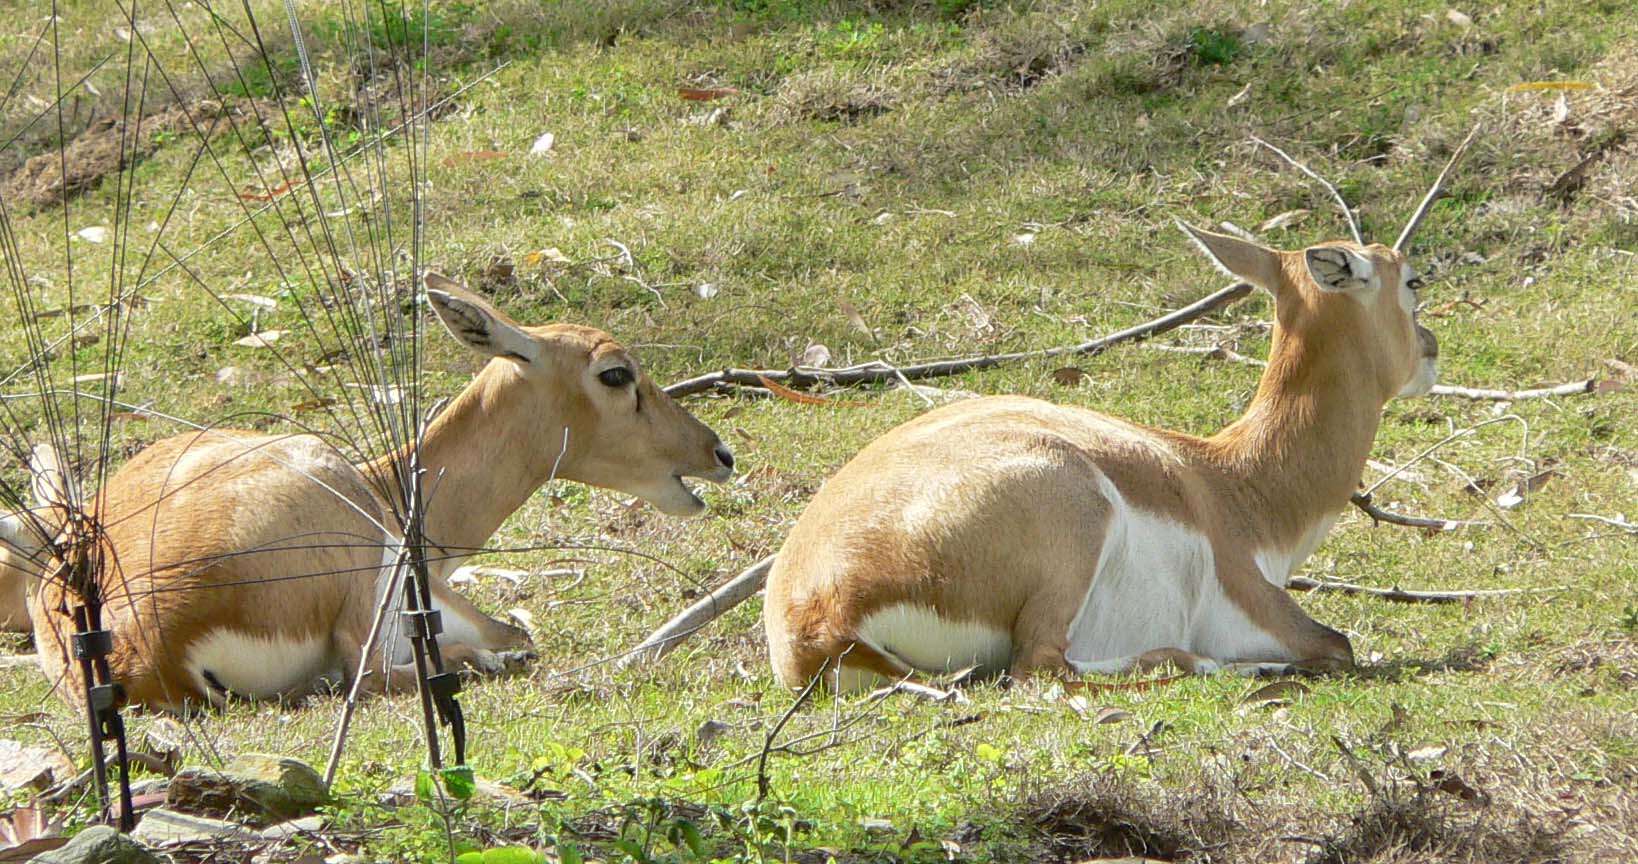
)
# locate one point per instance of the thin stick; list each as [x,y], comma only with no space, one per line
[1400,595]
[1362,500]
[870,373]
[1347,212]
[1570,388]
[387,599]
[726,596]
[1606,520]
[767,742]
[1433,192]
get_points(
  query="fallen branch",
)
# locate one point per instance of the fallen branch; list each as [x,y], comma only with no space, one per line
[1362,500]
[1400,595]
[726,596]
[1571,388]
[876,372]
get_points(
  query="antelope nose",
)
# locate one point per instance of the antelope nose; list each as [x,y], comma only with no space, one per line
[725,457]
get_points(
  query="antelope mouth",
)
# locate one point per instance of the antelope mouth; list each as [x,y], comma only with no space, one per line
[689,482]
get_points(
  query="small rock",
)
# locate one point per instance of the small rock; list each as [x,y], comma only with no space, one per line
[23,767]
[159,827]
[286,830]
[258,788]
[98,844]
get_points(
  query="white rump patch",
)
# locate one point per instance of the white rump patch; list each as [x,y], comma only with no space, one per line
[257,667]
[930,642]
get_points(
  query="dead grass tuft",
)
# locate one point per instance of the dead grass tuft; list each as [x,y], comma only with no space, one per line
[1588,138]
[1429,827]
[1103,817]
[1021,51]
[107,146]
[830,96]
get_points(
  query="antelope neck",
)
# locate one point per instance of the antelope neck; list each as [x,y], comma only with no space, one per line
[1299,449]
[480,458]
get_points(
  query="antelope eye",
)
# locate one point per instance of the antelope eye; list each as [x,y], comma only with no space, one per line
[615,376]
[1415,283]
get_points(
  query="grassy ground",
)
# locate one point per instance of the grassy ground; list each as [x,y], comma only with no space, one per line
[904,180]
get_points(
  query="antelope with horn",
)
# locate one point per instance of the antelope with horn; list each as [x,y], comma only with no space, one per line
[239,564]
[1016,535]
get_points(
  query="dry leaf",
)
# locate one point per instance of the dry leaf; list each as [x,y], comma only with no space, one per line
[475,156]
[1025,239]
[705,290]
[815,356]
[1514,496]
[94,377]
[705,94]
[1109,714]
[543,144]
[854,318]
[1239,97]
[264,339]
[1283,220]
[790,395]
[27,832]
[1277,693]
[312,405]
[1069,376]
[1561,109]
[254,300]
[92,234]
[1451,784]
[1459,18]
[281,189]
[552,255]
[1426,754]
[499,270]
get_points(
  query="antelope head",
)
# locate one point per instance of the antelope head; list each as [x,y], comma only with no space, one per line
[1360,300]
[609,425]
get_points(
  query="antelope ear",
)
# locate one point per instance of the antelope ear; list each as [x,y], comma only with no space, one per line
[1239,258]
[50,484]
[478,325]
[1338,268]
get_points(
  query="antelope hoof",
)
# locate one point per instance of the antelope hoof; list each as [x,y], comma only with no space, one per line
[496,663]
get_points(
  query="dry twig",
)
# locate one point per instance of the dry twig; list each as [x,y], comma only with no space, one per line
[1347,212]
[1400,595]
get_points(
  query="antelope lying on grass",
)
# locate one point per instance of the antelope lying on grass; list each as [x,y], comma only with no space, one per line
[252,565]
[1014,535]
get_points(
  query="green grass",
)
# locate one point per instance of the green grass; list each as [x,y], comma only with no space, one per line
[860,128]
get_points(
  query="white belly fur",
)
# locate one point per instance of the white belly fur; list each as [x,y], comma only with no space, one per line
[256,667]
[931,643]
[1156,586]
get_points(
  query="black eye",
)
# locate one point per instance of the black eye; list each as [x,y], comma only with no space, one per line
[1415,283]
[615,376]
